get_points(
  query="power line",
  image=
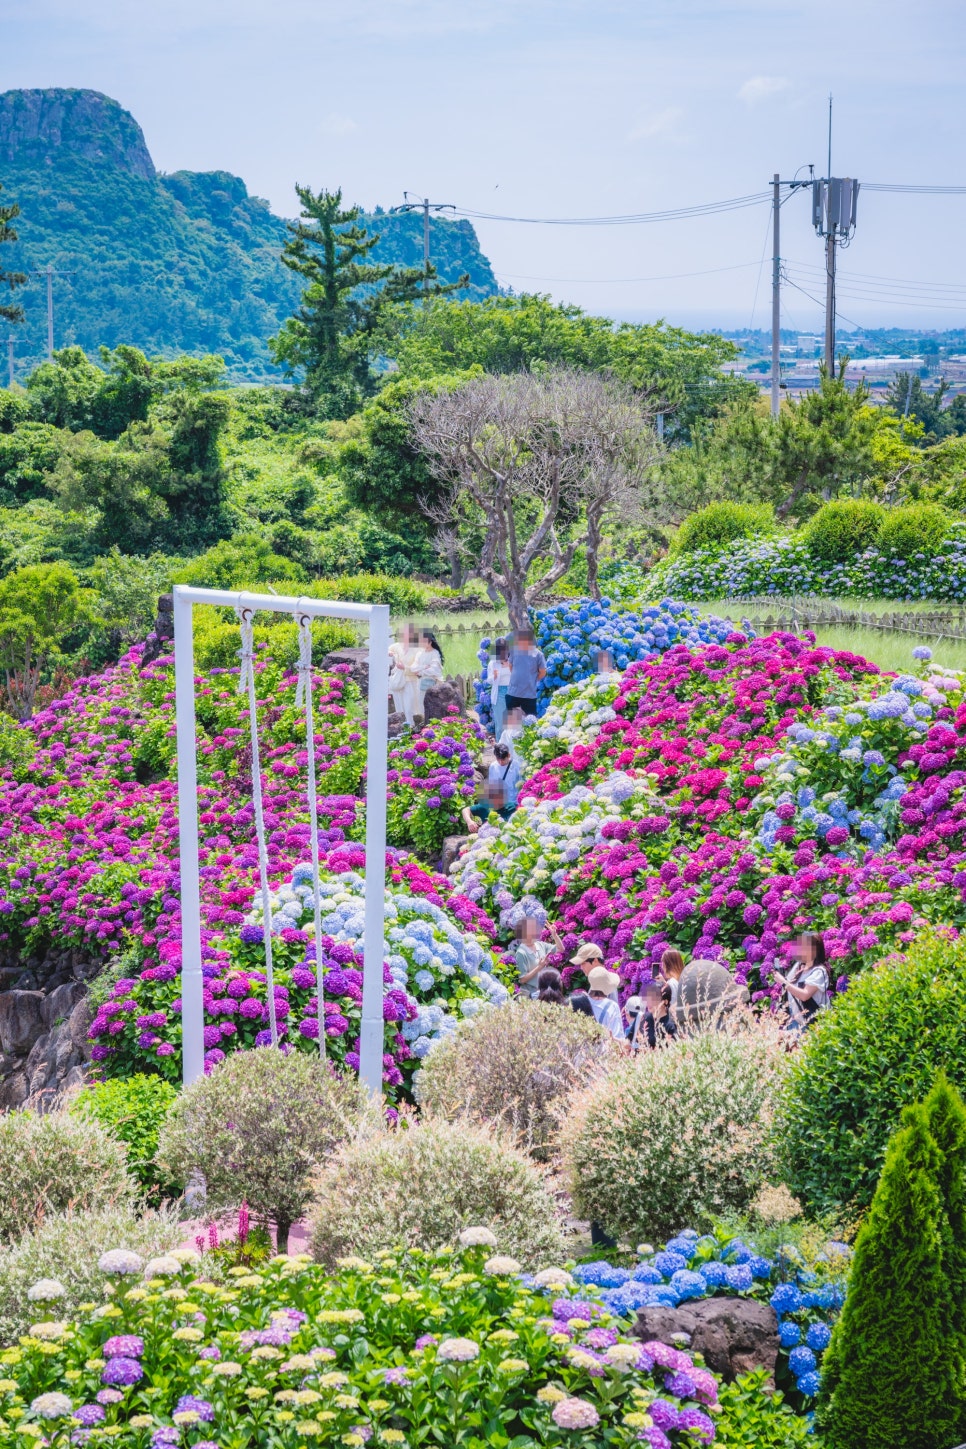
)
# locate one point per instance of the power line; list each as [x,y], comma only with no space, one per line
[905,189]
[710,208]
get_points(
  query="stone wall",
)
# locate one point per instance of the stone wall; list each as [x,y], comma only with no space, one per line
[44,1017]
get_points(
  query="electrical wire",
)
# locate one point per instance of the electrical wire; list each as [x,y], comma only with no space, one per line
[913,188]
[679,213]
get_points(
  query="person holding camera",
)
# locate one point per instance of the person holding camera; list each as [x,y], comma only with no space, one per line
[807,982]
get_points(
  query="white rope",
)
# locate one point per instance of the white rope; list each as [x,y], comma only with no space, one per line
[303,695]
[246,684]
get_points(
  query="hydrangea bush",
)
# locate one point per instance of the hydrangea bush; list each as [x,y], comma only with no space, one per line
[806,1297]
[410,1349]
[436,961]
[786,566]
[529,854]
[573,716]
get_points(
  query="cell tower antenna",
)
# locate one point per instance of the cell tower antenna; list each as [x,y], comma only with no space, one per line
[829,171]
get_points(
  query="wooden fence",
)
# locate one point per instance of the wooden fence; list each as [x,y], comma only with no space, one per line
[809,613]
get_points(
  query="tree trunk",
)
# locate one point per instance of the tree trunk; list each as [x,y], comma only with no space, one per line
[517,607]
[593,548]
[456,572]
[282,1229]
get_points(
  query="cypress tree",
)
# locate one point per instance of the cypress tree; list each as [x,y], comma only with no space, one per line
[889,1377]
[946,1115]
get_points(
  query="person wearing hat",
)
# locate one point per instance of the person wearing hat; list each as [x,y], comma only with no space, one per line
[603,984]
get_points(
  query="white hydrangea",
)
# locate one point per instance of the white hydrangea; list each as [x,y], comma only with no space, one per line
[477,1237]
[120,1261]
[164,1267]
[46,1291]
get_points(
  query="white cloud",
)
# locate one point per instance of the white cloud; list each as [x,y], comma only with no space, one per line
[760,87]
[664,123]
[336,125]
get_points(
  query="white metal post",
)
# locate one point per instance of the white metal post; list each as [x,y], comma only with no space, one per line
[372,1035]
[192,1005]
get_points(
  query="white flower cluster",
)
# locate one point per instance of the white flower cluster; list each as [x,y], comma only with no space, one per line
[429,956]
[574,717]
[531,852]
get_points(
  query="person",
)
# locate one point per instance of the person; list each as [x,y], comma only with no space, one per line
[527,668]
[672,964]
[550,987]
[806,984]
[427,665]
[505,770]
[512,729]
[580,1002]
[403,683]
[530,953]
[587,955]
[493,803]
[634,1011]
[707,993]
[605,667]
[498,678]
[659,1026]
[603,987]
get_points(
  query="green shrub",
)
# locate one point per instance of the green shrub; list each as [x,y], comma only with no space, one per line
[420,1186]
[917,528]
[217,641]
[402,595]
[674,1136]
[54,1163]
[256,1127]
[881,1048]
[894,1372]
[753,1416]
[65,1248]
[842,529]
[133,1110]
[720,524]
[513,1068]
[17,746]
[242,562]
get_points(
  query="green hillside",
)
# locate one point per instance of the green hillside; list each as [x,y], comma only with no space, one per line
[187,262]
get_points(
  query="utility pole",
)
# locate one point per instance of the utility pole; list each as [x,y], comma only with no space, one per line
[50,313]
[834,203]
[776,294]
[830,303]
[425,206]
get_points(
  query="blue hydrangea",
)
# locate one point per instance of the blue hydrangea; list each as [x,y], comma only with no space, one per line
[789,1334]
[760,1267]
[647,1273]
[801,1360]
[808,1384]
[688,1284]
[603,1274]
[669,1263]
[714,1273]
[818,1337]
[680,1244]
[739,1277]
[786,1298]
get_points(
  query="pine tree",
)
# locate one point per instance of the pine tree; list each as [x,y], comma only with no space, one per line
[9,311]
[889,1377]
[331,332]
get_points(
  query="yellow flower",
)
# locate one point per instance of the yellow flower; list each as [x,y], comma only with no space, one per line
[502,1335]
[308,1427]
[285,1416]
[346,1401]
[71,1376]
[135,1295]
[514,1366]
[325,1416]
[550,1395]
[377,1405]
[86,1307]
[334,1380]
[353,1264]
[256,1393]
[559,1338]
[9,1386]
[209,1289]
[341,1315]
[227,1370]
[390,1299]
[189,1308]
[263,1351]
[353,1440]
[239,1273]
[637,1421]
[94,1364]
[412,1296]
[176,1295]
[298,1363]
[578,1324]
[286,1396]
[308,1396]
[32,1431]
[188,1335]
[250,1280]
[187,1416]
[386,1256]
[392,1436]
[11,1355]
[141,1421]
[108,1310]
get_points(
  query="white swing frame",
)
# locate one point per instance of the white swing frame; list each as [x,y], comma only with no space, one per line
[192,1008]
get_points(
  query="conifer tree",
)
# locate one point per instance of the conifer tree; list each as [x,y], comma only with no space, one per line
[946,1115]
[889,1379]
[9,311]
[345,292]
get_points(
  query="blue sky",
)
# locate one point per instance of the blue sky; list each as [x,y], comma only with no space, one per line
[563,107]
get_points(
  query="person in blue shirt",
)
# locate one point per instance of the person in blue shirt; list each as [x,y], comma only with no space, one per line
[527,668]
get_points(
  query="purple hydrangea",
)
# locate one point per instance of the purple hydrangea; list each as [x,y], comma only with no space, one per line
[123,1371]
[189,1404]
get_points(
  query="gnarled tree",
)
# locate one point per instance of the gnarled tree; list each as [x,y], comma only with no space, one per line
[533,467]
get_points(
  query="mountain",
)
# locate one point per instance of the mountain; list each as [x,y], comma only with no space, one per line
[186,262]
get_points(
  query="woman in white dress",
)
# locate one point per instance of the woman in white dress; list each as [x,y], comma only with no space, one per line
[498,678]
[403,684]
[427,666]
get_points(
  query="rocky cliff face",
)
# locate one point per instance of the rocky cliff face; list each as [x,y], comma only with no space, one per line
[36,127]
